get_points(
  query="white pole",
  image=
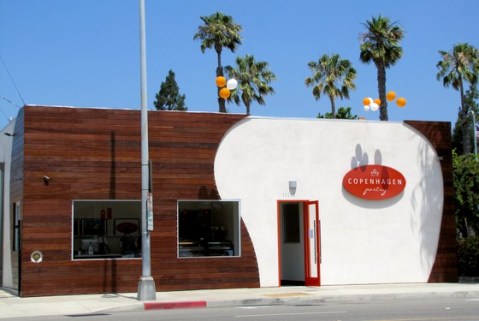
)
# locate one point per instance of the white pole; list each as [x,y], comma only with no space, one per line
[146,285]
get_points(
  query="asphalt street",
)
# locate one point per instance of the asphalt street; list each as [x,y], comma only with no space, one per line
[405,309]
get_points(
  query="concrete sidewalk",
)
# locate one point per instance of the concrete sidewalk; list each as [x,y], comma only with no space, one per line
[12,306]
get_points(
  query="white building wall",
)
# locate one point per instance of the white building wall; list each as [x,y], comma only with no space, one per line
[362,241]
[5,157]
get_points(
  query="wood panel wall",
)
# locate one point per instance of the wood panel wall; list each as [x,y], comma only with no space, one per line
[445,268]
[95,154]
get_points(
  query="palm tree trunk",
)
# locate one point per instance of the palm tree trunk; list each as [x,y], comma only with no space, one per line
[466,146]
[219,72]
[247,109]
[333,106]
[383,111]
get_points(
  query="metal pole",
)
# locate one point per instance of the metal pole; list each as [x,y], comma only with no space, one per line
[146,285]
[474,132]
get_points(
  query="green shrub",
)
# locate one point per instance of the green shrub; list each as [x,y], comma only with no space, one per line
[468,255]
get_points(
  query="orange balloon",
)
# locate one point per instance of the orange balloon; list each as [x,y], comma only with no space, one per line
[401,102]
[367,101]
[390,95]
[224,93]
[377,101]
[220,81]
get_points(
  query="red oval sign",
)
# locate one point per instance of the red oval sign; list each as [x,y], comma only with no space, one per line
[374,182]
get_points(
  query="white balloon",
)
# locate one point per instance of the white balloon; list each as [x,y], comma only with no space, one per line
[366,107]
[374,107]
[371,101]
[232,84]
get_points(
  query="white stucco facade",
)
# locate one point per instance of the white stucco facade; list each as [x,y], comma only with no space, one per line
[5,158]
[362,241]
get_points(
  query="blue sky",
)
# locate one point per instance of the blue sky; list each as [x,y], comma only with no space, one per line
[85,53]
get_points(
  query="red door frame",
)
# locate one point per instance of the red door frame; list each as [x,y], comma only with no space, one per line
[305,203]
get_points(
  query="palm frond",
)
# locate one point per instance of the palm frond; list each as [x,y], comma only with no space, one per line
[331,76]
[253,79]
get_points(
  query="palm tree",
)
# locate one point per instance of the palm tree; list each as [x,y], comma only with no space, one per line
[380,44]
[219,31]
[253,79]
[457,67]
[332,76]
[471,96]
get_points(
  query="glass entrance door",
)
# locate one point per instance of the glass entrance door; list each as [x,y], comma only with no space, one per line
[312,242]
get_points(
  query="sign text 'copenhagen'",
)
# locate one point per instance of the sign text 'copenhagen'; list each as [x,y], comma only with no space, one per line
[374,182]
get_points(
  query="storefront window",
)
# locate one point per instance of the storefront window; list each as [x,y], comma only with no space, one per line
[106,229]
[208,228]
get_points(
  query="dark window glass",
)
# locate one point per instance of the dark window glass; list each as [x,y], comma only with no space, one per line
[208,228]
[105,229]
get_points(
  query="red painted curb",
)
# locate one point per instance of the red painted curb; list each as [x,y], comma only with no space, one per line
[174,305]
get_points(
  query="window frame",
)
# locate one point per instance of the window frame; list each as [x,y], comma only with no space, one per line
[76,222]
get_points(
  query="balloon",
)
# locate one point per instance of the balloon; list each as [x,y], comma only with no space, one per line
[367,101]
[401,102]
[232,84]
[366,107]
[374,107]
[224,93]
[220,81]
[390,95]
[377,101]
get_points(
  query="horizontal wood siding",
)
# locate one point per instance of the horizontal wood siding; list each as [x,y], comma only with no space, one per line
[445,267]
[95,154]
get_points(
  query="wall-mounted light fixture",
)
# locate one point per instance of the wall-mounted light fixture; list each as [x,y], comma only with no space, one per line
[36,257]
[292,187]
[9,134]
[46,180]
